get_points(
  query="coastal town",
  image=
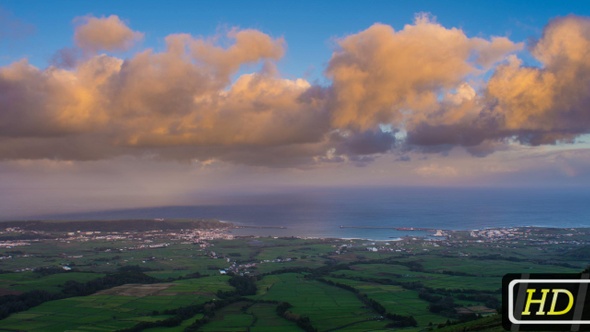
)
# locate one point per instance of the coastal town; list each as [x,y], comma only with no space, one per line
[203,240]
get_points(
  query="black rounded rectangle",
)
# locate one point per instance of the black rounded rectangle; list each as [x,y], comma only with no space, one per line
[546,302]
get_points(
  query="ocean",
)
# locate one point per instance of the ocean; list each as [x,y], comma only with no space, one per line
[322,212]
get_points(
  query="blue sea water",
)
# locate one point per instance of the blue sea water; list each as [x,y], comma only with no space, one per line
[321,212]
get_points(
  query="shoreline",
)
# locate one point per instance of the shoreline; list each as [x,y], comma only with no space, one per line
[237,230]
[433,234]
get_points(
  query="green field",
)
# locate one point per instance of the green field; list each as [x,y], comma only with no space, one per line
[111,309]
[395,299]
[326,306]
[266,284]
[258,317]
[27,281]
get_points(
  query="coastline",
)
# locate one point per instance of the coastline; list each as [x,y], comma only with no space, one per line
[229,229]
[432,234]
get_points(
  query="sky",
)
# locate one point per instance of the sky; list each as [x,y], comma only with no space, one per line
[143,103]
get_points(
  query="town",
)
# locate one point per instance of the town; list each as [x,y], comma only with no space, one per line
[204,239]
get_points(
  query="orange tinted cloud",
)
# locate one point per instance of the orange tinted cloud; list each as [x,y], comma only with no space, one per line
[95,34]
[547,104]
[179,103]
[421,87]
[534,105]
[383,76]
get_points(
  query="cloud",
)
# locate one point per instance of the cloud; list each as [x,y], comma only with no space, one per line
[363,143]
[249,46]
[437,171]
[533,105]
[548,104]
[66,57]
[178,104]
[95,34]
[421,88]
[39,103]
[383,76]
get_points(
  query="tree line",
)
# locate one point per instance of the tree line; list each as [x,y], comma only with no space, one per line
[10,304]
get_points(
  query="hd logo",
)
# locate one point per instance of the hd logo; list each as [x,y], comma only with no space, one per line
[546,302]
